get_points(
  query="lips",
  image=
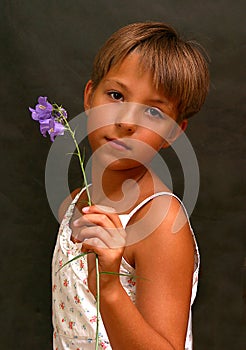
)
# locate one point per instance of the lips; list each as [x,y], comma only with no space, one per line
[117,144]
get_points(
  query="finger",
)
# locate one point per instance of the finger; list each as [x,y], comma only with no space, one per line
[83,220]
[93,232]
[112,238]
[105,212]
[105,209]
[96,220]
[92,245]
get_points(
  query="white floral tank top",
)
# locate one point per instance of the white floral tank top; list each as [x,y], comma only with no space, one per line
[74,306]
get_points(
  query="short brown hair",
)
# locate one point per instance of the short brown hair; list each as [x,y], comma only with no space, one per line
[179,67]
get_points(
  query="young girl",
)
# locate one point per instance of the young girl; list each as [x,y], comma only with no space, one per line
[145,81]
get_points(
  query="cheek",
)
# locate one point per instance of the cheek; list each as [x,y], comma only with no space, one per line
[93,138]
[96,137]
[153,140]
[100,117]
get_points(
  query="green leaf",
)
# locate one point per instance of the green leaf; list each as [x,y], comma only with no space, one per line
[75,258]
[72,153]
[121,274]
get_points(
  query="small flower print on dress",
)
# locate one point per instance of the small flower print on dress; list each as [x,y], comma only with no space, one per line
[103,345]
[66,283]
[71,324]
[81,264]
[131,282]
[77,299]
[62,305]
[93,319]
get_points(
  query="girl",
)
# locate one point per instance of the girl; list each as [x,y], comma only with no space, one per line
[146,82]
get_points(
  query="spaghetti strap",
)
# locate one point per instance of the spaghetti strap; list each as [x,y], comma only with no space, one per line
[157,194]
[126,218]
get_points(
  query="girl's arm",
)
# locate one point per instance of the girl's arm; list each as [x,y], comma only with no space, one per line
[165,260]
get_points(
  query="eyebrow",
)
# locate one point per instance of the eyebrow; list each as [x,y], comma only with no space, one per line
[118,83]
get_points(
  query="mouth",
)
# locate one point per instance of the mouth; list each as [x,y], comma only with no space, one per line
[117,144]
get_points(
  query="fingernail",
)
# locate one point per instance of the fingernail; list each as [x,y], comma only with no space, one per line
[85,209]
[106,208]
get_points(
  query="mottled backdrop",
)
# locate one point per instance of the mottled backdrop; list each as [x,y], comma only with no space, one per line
[47,48]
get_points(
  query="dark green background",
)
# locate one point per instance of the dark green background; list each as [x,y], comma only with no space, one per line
[47,48]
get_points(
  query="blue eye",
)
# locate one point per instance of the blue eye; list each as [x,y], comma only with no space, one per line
[154,112]
[115,95]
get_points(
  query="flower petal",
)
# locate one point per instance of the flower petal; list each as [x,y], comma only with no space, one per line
[59,128]
[45,126]
[42,100]
[56,130]
[34,114]
[64,113]
[43,108]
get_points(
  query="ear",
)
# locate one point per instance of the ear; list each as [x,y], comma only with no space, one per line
[183,125]
[88,95]
[175,133]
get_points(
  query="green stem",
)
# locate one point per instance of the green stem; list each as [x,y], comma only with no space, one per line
[80,158]
[98,302]
[73,259]
[89,203]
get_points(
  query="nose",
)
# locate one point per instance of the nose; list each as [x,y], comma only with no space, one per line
[126,120]
[128,127]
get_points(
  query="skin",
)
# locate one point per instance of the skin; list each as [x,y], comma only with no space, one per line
[159,318]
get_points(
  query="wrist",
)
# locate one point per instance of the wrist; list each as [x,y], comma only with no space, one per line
[110,290]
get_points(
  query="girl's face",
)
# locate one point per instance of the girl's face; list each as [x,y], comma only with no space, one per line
[131,113]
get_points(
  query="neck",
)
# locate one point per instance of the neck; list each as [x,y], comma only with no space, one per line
[120,189]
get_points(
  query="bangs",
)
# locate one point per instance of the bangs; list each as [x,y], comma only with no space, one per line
[178,73]
[179,68]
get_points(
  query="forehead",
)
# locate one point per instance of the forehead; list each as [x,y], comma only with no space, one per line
[131,61]
[131,72]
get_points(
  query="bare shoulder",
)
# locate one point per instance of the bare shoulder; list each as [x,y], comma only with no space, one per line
[173,213]
[163,215]
[167,223]
[165,258]
[65,204]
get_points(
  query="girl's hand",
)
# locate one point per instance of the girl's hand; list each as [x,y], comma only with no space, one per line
[100,230]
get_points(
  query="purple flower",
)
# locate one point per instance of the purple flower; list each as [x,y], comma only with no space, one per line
[45,126]
[53,128]
[50,118]
[62,112]
[56,129]
[43,110]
